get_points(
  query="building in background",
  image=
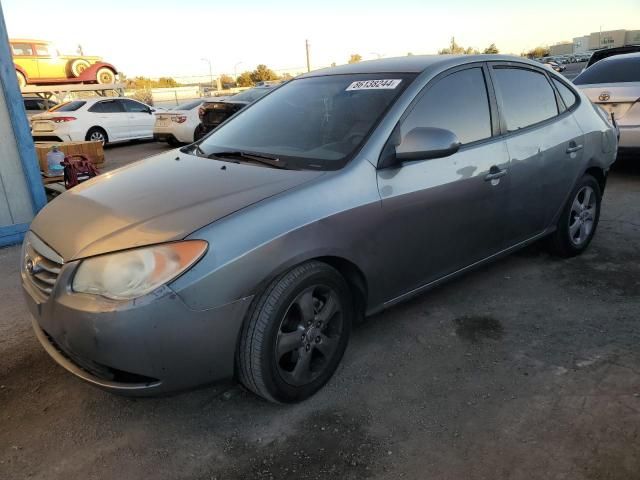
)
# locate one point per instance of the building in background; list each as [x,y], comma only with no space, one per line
[581,44]
[596,41]
[562,48]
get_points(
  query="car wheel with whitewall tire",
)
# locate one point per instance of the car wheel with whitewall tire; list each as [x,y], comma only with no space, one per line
[579,219]
[97,134]
[296,333]
[105,75]
[22,81]
[78,66]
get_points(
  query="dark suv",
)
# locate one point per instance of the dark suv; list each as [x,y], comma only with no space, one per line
[214,113]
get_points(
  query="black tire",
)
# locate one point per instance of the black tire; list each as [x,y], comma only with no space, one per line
[275,320]
[199,133]
[567,240]
[95,133]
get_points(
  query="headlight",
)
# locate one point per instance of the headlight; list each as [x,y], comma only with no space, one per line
[133,273]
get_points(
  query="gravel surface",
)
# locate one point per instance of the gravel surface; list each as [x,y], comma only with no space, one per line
[525,369]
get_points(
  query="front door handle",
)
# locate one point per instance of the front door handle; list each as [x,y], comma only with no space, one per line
[495,173]
[574,148]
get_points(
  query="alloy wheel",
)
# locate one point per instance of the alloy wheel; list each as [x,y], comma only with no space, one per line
[582,215]
[309,335]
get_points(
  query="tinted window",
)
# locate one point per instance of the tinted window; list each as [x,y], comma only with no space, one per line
[108,106]
[134,107]
[566,93]
[315,122]
[459,103]
[21,49]
[527,97]
[250,95]
[617,69]
[69,106]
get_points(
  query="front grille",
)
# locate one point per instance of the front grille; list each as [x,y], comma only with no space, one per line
[40,265]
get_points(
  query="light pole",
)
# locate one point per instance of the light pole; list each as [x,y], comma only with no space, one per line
[210,70]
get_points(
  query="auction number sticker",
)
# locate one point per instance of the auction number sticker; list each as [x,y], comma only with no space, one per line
[384,84]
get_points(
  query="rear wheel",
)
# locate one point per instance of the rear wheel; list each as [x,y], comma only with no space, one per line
[579,219]
[105,75]
[22,81]
[78,66]
[97,134]
[296,333]
[199,133]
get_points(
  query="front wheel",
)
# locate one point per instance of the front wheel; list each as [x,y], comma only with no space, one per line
[579,219]
[296,333]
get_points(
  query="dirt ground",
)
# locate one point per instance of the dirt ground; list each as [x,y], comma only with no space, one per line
[526,369]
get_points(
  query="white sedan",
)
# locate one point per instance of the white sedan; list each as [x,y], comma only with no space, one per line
[178,126]
[106,119]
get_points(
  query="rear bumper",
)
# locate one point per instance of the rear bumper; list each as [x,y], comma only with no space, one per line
[154,344]
[629,136]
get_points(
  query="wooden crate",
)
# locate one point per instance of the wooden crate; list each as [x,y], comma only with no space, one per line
[93,150]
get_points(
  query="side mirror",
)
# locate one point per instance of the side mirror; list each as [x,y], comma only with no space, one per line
[424,143]
[151,110]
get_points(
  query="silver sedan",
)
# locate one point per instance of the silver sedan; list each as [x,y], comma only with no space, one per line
[250,253]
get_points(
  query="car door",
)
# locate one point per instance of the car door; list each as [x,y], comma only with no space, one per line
[48,64]
[141,120]
[443,214]
[544,145]
[110,115]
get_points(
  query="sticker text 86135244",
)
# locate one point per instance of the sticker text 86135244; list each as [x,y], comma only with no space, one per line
[389,83]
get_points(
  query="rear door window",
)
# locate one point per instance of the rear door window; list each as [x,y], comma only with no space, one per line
[69,106]
[108,106]
[457,102]
[526,97]
[619,69]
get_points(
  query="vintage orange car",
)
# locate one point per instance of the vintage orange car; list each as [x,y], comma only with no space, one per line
[38,62]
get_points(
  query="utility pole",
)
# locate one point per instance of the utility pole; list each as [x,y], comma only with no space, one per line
[210,71]
[306,44]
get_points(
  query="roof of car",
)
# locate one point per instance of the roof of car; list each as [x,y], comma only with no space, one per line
[622,56]
[27,40]
[411,64]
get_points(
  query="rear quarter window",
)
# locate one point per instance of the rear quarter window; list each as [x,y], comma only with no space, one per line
[568,97]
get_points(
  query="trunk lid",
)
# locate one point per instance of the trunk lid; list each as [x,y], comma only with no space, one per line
[616,98]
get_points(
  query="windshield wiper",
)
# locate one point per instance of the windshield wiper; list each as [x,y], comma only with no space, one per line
[262,158]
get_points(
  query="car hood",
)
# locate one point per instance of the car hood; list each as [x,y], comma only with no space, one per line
[159,199]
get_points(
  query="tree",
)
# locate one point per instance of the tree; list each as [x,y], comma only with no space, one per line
[227,81]
[355,58]
[409,54]
[244,80]
[541,51]
[455,49]
[262,73]
[166,82]
[491,49]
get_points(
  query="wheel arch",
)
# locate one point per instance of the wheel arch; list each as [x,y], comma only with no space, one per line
[21,70]
[354,277]
[89,75]
[600,175]
[100,127]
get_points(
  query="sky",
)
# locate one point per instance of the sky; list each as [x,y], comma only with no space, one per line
[170,38]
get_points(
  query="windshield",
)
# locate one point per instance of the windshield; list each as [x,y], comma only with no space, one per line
[317,122]
[619,69]
[68,106]
[250,95]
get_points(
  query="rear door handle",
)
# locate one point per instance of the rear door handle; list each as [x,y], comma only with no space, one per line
[574,148]
[495,173]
